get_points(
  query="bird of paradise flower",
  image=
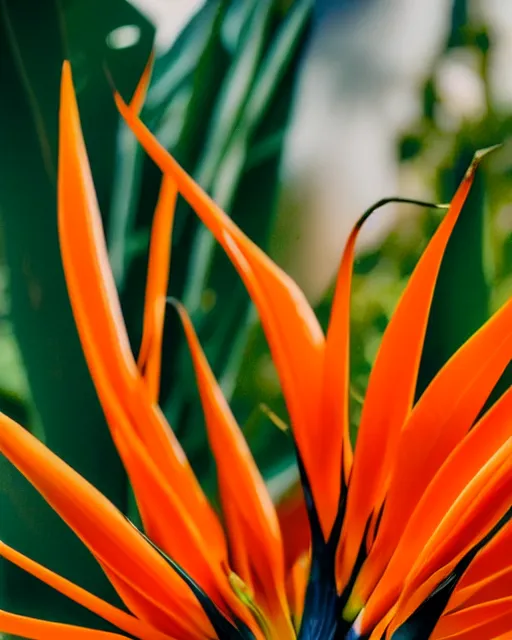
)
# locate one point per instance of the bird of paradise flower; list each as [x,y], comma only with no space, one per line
[410,533]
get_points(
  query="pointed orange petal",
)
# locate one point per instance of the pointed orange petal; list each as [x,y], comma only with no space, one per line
[461,467]
[294,335]
[335,436]
[159,503]
[391,387]
[258,537]
[439,421]
[99,525]
[489,561]
[478,508]
[150,354]
[33,629]
[493,587]
[98,314]
[473,618]
[115,616]
[141,90]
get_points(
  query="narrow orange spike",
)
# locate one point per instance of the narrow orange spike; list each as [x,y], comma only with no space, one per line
[391,387]
[150,355]
[465,462]
[334,435]
[141,90]
[258,540]
[123,621]
[99,319]
[438,422]
[100,526]
[294,335]
[336,445]
[478,508]
[33,629]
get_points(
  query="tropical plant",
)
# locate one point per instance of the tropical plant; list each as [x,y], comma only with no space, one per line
[408,531]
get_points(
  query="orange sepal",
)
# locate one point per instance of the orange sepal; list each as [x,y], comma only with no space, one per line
[33,629]
[478,508]
[150,354]
[473,619]
[294,335]
[119,618]
[141,90]
[439,421]
[102,528]
[99,319]
[256,545]
[391,387]
[465,462]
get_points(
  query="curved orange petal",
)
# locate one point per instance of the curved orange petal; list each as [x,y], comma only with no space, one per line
[391,387]
[440,419]
[478,508]
[489,560]
[473,618]
[477,448]
[257,543]
[159,503]
[122,620]
[33,629]
[139,95]
[101,527]
[150,354]
[99,319]
[294,335]
[493,587]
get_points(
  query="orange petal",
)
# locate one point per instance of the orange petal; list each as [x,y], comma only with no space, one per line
[150,354]
[141,90]
[461,467]
[489,561]
[335,436]
[493,587]
[115,616]
[99,319]
[100,526]
[391,387]
[478,508]
[439,421]
[159,503]
[473,618]
[33,629]
[257,544]
[294,335]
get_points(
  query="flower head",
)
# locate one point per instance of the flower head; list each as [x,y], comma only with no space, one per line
[409,534]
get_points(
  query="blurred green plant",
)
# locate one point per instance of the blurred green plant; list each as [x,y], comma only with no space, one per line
[220,100]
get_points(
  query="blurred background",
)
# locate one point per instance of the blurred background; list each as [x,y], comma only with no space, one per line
[295,115]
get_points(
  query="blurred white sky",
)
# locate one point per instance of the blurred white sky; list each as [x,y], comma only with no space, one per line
[359,89]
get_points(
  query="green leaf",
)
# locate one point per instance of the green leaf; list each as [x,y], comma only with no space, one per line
[34,40]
